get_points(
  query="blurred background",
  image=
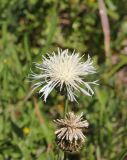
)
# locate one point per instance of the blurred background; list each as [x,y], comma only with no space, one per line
[32,28]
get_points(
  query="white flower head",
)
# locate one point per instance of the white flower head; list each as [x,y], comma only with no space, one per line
[66,72]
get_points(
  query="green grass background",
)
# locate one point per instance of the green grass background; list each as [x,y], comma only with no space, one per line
[32,28]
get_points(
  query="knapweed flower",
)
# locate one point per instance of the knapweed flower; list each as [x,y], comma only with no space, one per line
[65,72]
[69,136]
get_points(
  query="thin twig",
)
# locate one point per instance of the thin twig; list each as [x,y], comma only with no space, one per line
[24,99]
[105,26]
[37,111]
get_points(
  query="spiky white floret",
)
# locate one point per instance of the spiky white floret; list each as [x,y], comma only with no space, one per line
[64,70]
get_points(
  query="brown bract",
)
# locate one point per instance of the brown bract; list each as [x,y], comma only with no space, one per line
[69,136]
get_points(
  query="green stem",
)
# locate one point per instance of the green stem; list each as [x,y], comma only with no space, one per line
[66,107]
[65,112]
[60,155]
[64,157]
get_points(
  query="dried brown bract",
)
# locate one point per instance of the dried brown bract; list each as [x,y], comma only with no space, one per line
[69,136]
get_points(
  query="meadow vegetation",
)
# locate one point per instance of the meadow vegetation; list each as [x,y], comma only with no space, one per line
[32,28]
